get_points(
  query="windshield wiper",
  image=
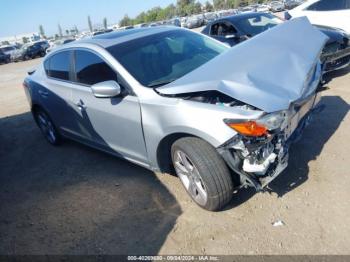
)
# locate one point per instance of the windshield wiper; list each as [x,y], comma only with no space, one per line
[160,82]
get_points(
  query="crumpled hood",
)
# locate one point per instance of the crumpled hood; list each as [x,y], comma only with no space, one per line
[269,71]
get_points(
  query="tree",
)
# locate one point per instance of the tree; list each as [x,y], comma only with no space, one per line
[208,7]
[24,40]
[67,32]
[105,23]
[90,24]
[184,7]
[41,31]
[5,42]
[76,30]
[219,4]
[125,21]
[60,30]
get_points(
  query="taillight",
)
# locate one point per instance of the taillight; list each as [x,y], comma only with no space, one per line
[25,85]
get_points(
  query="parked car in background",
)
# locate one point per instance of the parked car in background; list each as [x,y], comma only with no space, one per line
[102,31]
[335,13]
[210,17]
[247,9]
[43,43]
[8,49]
[276,6]
[194,21]
[223,13]
[4,58]
[29,51]
[236,29]
[262,8]
[218,116]
[336,54]
[290,4]
[174,22]
[59,43]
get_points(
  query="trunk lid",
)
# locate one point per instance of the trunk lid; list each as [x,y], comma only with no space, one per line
[269,71]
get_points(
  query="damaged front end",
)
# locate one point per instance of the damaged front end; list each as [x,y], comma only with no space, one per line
[260,154]
[281,85]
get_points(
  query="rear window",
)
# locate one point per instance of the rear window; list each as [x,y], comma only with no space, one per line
[58,66]
[161,58]
[327,5]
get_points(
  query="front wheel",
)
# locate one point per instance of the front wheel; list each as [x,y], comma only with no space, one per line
[47,127]
[202,172]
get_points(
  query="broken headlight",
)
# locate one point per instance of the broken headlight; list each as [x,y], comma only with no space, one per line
[273,121]
[261,126]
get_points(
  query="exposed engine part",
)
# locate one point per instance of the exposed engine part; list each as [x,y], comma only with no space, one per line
[258,154]
[259,160]
[215,98]
[258,168]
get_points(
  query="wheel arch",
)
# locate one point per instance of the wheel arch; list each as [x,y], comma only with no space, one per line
[163,152]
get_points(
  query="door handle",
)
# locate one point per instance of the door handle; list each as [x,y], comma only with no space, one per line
[43,93]
[80,104]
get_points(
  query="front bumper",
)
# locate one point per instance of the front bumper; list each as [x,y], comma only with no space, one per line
[337,60]
[281,143]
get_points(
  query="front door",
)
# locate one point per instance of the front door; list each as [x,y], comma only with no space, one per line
[112,124]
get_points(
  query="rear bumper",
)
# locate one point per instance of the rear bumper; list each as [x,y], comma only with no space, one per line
[234,158]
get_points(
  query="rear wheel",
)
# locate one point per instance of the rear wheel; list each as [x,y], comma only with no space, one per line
[202,172]
[47,127]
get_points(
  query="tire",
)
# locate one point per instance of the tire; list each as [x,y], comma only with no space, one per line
[47,127]
[203,173]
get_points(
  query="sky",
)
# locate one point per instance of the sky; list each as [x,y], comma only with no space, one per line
[25,16]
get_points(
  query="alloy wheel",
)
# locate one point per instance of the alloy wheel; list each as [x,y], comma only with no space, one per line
[190,177]
[47,127]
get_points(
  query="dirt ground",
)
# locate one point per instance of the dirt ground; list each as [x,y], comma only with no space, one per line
[75,200]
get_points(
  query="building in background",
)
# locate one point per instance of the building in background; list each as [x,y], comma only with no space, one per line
[20,39]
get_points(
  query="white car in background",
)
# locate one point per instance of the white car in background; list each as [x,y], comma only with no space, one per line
[332,13]
[263,8]
[8,49]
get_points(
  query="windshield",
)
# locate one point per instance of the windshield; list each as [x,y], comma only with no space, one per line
[258,24]
[161,58]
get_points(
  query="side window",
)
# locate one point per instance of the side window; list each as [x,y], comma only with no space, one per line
[222,29]
[91,69]
[59,65]
[326,5]
[47,66]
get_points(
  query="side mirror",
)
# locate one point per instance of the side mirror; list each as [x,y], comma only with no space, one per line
[106,89]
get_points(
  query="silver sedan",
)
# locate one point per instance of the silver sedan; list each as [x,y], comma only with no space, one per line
[172,100]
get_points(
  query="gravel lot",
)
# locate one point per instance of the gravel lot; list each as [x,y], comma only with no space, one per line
[75,200]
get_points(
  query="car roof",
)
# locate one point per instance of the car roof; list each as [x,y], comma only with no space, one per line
[238,17]
[113,38]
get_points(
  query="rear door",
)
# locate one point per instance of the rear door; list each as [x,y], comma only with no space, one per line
[111,124]
[55,91]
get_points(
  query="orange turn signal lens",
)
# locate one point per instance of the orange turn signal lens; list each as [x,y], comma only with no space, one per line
[250,128]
